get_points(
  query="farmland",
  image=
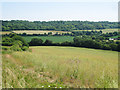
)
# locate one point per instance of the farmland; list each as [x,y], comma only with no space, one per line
[53,32]
[60,67]
[39,32]
[5,32]
[55,39]
[103,30]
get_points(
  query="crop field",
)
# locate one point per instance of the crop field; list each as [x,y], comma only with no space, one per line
[39,31]
[103,30]
[60,67]
[55,39]
[53,32]
[115,36]
[5,32]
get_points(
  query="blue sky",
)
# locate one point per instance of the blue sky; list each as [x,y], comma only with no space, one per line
[49,11]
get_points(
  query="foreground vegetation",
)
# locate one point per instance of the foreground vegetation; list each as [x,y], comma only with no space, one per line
[60,67]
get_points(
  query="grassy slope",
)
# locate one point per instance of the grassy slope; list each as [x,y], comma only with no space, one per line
[55,39]
[61,67]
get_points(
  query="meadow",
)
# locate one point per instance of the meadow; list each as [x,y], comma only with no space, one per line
[55,39]
[60,67]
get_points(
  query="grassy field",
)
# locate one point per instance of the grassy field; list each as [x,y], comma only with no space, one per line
[60,67]
[56,39]
[104,30]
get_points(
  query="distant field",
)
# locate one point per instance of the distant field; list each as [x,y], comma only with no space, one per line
[56,39]
[53,32]
[5,32]
[39,31]
[60,67]
[104,30]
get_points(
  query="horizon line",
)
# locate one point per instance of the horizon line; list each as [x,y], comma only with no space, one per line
[57,20]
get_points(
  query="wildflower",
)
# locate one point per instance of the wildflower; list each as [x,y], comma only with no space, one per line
[55,87]
[60,87]
[42,86]
[49,86]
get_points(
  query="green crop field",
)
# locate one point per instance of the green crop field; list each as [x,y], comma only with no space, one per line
[55,39]
[60,67]
[115,36]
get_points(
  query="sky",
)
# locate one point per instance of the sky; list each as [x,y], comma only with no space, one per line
[50,11]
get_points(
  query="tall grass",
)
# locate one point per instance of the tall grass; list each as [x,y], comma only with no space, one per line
[61,67]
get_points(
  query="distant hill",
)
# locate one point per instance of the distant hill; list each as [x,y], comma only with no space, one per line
[56,25]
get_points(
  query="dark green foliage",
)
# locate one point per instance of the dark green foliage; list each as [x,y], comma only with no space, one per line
[5,48]
[67,43]
[15,48]
[118,47]
[110,34]
[16,42]
[48,42]
[24,48]
[97,44]
[56,25]
[36,42]
[21,39]
[7,41]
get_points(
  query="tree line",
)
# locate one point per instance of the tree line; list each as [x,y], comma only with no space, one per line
[79,41]
[17,43]
[56,25]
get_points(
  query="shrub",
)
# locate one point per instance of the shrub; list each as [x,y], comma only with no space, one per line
[48,42]
[15,47]
[36,42]
[5,48]
[24,48]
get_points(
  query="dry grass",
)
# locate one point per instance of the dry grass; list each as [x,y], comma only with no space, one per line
[61,67]
[104,30]
[39,32]
[5,32]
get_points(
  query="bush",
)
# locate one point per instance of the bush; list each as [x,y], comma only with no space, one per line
[36,42]
[24,48]
[20,39]
[48,42]
[5,48]
[15,47]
